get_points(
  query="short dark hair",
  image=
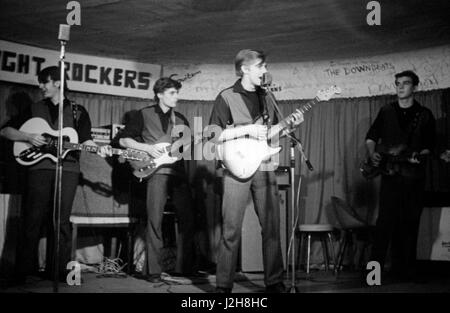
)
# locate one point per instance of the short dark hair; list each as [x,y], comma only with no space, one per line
[53,73]
[163,84]
[410,74]
[50,72]
[246,55]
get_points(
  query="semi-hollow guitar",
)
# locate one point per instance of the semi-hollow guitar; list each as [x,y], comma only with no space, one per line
[27,154]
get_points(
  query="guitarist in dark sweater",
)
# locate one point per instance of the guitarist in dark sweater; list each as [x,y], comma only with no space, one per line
[406,124]
[38,208]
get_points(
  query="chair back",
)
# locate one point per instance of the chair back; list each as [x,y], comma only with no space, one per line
[346,214]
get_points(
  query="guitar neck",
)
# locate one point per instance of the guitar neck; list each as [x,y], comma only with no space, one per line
[405,158]
[80,147]
[181,143]
[94,149]
[290,118]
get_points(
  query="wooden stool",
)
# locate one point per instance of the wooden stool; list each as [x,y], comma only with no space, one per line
[324,232]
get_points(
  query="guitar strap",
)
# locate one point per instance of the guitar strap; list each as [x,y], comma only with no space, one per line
[413,126]
[275,105]
[278,111]
[263,108]
[74,107]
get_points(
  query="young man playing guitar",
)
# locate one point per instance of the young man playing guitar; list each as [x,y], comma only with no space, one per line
[38,208]
[144,131]
[403,127]
[239,106]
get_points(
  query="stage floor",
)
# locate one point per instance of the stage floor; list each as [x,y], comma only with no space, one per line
[318,281]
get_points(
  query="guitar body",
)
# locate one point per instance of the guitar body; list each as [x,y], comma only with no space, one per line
[27,154]
[243,156]
[394,160]
[144,169]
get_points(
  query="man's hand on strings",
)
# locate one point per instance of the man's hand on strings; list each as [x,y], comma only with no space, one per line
[298,118]
[257,131]
[375,158]
[155,151]
[105,151]
[36,139]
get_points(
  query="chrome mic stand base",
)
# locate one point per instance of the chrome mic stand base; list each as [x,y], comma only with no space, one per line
[294,208]
[293,288]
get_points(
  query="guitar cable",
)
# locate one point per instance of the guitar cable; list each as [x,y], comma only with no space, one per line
[107,267]
[291,239]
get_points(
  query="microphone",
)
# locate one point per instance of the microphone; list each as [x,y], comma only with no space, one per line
[64,32]
[309,165]
[266,80]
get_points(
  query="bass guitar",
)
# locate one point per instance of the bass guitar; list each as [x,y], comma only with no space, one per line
[393,159]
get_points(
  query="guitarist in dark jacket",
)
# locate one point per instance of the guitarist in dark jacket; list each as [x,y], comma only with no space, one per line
[404,128]
[38,207]
[149,126]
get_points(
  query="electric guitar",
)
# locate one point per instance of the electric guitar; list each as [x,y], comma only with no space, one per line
[243,156]
[28,154]
[393,159]
[144,168]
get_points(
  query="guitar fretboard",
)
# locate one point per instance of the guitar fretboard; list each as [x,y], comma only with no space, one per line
[290,118]
[304,108]
[126,153]
[79,146]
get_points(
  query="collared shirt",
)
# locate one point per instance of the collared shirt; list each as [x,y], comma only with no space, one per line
[150,125]
[393,126]
[84,122]
[157,125]
[48,111]
[221,113]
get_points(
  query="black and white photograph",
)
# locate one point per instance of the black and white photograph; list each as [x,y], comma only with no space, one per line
[249,147]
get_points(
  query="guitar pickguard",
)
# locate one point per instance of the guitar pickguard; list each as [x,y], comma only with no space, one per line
[27,154]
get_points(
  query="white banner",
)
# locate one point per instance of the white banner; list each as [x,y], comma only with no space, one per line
[21,63]
[359,77]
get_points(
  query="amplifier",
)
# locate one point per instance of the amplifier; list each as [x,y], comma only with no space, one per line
[101,134]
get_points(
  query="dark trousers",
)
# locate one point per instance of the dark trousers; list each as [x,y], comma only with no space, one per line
[38,213]
[401,203]
[264,191]
[159,187]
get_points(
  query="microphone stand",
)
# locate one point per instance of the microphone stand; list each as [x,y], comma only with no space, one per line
[295,142]
[58,175]
[266,82]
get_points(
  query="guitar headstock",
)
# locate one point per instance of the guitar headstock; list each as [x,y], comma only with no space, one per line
[327,94]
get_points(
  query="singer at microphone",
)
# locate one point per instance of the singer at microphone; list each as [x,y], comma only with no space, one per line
[297,118]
